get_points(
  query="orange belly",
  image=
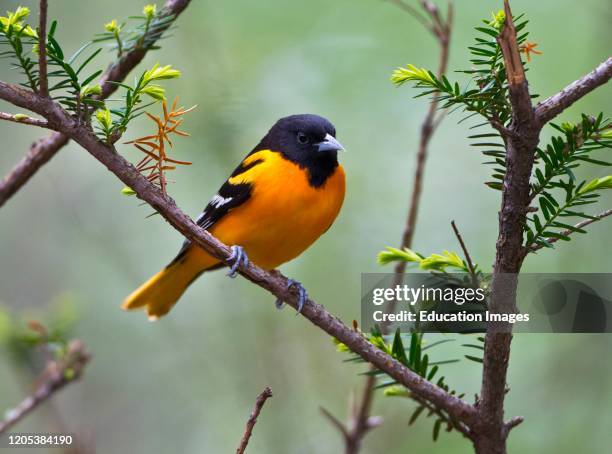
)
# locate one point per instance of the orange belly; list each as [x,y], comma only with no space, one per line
[284,214]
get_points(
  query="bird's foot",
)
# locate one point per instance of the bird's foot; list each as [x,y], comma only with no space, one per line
[303,295]
[237,258]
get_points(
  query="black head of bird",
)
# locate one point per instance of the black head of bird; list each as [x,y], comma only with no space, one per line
[308,140]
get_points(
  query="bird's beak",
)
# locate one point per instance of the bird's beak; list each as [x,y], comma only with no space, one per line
[329,144]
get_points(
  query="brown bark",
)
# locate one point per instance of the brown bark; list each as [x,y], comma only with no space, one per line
[248,430]
[55,377]
[520,152]
[43,83]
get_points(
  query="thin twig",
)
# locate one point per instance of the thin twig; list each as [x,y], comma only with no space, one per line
[458,425]
[56,375]
[414,13]
[440,29]
[567,232]
[504,131]
[43,82]
[44,149]
[38,155]
[513,422]
[578,139]
[335,422]
[248,430]
[24,119]
[427,130]
[360,422]
[468,259]
[359,419]
[553,106]
[118,70]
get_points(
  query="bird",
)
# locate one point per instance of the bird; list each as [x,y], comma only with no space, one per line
[280,199]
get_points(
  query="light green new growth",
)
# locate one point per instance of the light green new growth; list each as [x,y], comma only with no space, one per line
[434,262]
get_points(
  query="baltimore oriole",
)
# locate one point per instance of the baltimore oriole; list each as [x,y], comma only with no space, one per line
[283,196]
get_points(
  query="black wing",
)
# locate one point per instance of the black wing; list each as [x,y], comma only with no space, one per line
[228,197]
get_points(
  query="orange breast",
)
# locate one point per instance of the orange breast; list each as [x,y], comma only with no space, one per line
[284,214]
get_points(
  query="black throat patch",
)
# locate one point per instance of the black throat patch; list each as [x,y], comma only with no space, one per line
[319,168]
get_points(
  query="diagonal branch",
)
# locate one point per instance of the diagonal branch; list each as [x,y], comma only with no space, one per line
[118,70]
[428,128]
[553,106]
[56,376]
[24,119]
[43,150]
[273,281]
[418,16]
[598,217]
[38,155]
[248,430]
[466,253]
[336,423]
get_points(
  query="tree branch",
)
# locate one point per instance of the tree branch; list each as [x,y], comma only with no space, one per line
[520,152]
[513,423]
[43,150]
[118,70]
[360,420]
[24,119]
[521,138]
[39,154]
[56,375]
[415,13]
[567,232]
[466,253]
[449,422]
[248,430]
[336,423]
[427,130]
[273,281]
[553,106]
[43,82]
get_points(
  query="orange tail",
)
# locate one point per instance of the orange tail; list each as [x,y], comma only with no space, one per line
[161,292]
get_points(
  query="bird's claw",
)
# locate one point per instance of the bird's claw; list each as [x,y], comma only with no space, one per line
[237,258]
[303,295]
[279,303]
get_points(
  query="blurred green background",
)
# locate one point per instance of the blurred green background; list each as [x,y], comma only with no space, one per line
[188,382]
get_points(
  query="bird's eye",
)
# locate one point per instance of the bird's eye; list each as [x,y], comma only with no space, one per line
[302,138]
